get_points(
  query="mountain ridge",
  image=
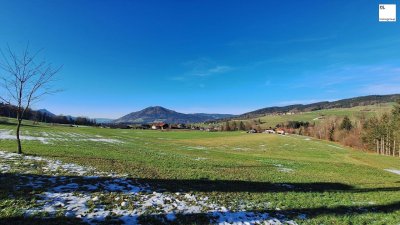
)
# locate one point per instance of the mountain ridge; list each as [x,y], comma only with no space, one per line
[154,114]
[342,103]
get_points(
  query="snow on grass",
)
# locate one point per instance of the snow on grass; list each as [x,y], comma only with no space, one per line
[7,135]
[103,140]
[393,171]
[334,146]
[4,168]
[197,147]
[95,196]
[47,138]
[200,158]
[283,169]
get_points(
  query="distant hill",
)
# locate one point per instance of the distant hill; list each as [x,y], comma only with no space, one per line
[161,114]
[344,103]
[103,120]
[46,112]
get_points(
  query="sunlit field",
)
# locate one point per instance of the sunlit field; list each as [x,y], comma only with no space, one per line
[294,179]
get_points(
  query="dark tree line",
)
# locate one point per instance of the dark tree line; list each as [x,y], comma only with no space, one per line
[378,133]
[241,125]
[382,133]
[7,110]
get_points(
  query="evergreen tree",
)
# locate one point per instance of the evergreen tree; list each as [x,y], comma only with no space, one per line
[233,126]
[346,124]
[227,127]
[242,126]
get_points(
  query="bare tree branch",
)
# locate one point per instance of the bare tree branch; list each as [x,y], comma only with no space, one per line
[25,81]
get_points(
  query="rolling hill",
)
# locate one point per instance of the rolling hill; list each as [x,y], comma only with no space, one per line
[344,103]
[161,114]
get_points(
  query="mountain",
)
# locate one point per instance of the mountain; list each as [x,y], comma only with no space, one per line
[47,112]
[161,114]
[344,103]
[103,120]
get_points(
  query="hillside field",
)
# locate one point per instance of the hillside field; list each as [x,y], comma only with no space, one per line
[294,179]
[319,115]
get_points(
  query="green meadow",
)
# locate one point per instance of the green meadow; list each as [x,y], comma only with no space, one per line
[283,175]
[319,115]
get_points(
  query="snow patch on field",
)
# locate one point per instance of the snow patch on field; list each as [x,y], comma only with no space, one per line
[7,135]
[197,147]
[200,158]
[91,195]
[46,138]
[283,169]
[104,140]
[334,146]
[393,171]
[4,168]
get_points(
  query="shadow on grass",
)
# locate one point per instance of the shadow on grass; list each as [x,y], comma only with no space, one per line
[253,186]
[23,186]
[198,185]
[204,218]
[8,123]
[40,221]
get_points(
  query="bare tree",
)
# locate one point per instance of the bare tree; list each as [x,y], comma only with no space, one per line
[25,80]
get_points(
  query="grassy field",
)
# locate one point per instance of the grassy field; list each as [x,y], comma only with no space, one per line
[282,175]
[318,115]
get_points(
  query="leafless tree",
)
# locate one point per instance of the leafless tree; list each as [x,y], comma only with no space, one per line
[24,81]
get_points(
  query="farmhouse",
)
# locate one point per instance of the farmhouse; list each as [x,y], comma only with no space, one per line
[159,126]
[178,126]
[139,126]
[269,131]
[280,131]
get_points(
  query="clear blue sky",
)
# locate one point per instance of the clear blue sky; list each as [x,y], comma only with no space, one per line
[205,56]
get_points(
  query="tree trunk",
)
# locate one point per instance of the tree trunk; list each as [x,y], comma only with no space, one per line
[394,148]
[19,119]
[18,139]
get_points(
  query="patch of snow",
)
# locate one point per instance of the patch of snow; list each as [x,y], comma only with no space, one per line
[4,168]
[114,141]
[393,171]
[6,135]
[73,195]
[197,147]
[285,170]
[200,158]
[334,146]
[280,168]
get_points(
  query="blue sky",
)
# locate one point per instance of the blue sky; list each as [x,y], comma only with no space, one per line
[205,56]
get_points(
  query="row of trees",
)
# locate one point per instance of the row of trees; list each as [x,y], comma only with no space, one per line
[378,133]
[7,110]
[382,133]
[240,125]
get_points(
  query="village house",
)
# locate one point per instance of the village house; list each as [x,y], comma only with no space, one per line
[177,126]
[269,131]
[280,131]
[159,126]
